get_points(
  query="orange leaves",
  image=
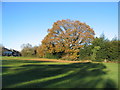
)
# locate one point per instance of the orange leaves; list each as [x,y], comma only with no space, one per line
[65,36]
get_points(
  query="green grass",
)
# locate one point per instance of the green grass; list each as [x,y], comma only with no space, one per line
[39,74]
[14,58]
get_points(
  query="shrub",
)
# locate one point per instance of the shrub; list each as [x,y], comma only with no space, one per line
[51,56]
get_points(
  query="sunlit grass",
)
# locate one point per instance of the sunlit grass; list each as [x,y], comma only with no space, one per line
[38,74]
[112,70]
[41,80]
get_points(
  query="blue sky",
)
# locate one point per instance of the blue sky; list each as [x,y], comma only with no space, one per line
[27,22]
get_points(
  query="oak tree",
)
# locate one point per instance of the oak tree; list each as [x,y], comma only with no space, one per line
[66,36]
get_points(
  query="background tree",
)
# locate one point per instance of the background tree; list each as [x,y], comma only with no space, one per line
[114,50]
[104,46]
[65,38]
[109,49]
[28,50]
[35,48]
[1,46]
[85,52]
[41,51]
[94,50]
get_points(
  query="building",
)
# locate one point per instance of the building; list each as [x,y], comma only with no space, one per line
[10,52]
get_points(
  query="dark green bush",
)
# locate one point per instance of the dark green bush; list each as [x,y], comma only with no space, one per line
[51,56]
[85,58]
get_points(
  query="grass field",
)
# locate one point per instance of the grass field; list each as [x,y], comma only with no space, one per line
[18,73]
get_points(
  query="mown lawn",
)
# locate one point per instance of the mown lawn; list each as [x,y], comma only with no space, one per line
[39,74]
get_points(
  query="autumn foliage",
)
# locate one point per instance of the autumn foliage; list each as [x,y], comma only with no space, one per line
[65,38]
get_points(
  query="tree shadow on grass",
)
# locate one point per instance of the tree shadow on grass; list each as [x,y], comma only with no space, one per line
[109,84]
[84,75]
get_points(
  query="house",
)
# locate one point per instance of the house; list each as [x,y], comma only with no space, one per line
[8,52]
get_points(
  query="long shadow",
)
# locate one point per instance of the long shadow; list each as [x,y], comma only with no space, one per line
[86,75]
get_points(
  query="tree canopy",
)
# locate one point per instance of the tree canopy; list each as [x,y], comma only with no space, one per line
[28,50]
[109,50]
[66,36]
